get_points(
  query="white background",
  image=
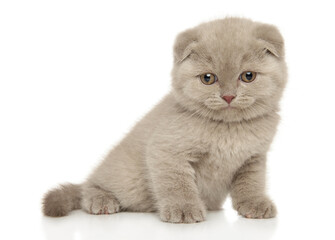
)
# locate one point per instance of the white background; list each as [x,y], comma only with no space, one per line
[76,75]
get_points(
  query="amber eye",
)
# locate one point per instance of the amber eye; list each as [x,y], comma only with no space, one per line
[248,76]
[208,78]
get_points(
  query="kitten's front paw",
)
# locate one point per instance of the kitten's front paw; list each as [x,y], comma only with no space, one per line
[183,213]
[256,208]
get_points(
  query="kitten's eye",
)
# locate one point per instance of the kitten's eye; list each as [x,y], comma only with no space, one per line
[248,76]
[208,78]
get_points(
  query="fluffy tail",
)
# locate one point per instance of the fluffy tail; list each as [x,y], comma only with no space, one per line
[62,200]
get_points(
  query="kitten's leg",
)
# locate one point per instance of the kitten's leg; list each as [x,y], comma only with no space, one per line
[175,190]
[98,201]
[248,190]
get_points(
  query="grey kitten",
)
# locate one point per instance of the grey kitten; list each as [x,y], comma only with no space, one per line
[207,138]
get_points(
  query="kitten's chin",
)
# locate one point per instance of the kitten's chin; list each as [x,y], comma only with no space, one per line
[232,113]
[245,112]
[228,108]
[221,107]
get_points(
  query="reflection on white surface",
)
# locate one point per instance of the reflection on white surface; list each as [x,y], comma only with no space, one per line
[219,225]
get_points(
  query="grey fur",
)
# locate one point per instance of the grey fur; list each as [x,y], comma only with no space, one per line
[192,150]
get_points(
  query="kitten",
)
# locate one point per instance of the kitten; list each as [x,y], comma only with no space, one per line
[207,138]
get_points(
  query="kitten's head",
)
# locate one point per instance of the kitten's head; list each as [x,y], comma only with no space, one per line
[231,69]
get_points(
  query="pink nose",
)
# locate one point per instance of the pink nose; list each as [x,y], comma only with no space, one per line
[228,99]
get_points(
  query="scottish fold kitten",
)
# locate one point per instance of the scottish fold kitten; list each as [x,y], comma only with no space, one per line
[206,139]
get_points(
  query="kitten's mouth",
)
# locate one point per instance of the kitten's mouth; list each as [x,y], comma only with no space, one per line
[228,107]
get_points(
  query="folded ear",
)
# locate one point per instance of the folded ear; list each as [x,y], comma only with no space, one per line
[271,38]
[184,44]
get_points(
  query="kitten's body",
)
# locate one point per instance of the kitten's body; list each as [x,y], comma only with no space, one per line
[191,150]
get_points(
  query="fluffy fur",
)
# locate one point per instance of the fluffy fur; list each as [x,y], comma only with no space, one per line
[192,149]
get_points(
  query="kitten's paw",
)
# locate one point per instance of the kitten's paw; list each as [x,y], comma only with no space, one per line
[183,213]
[256,208]
[102,205]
